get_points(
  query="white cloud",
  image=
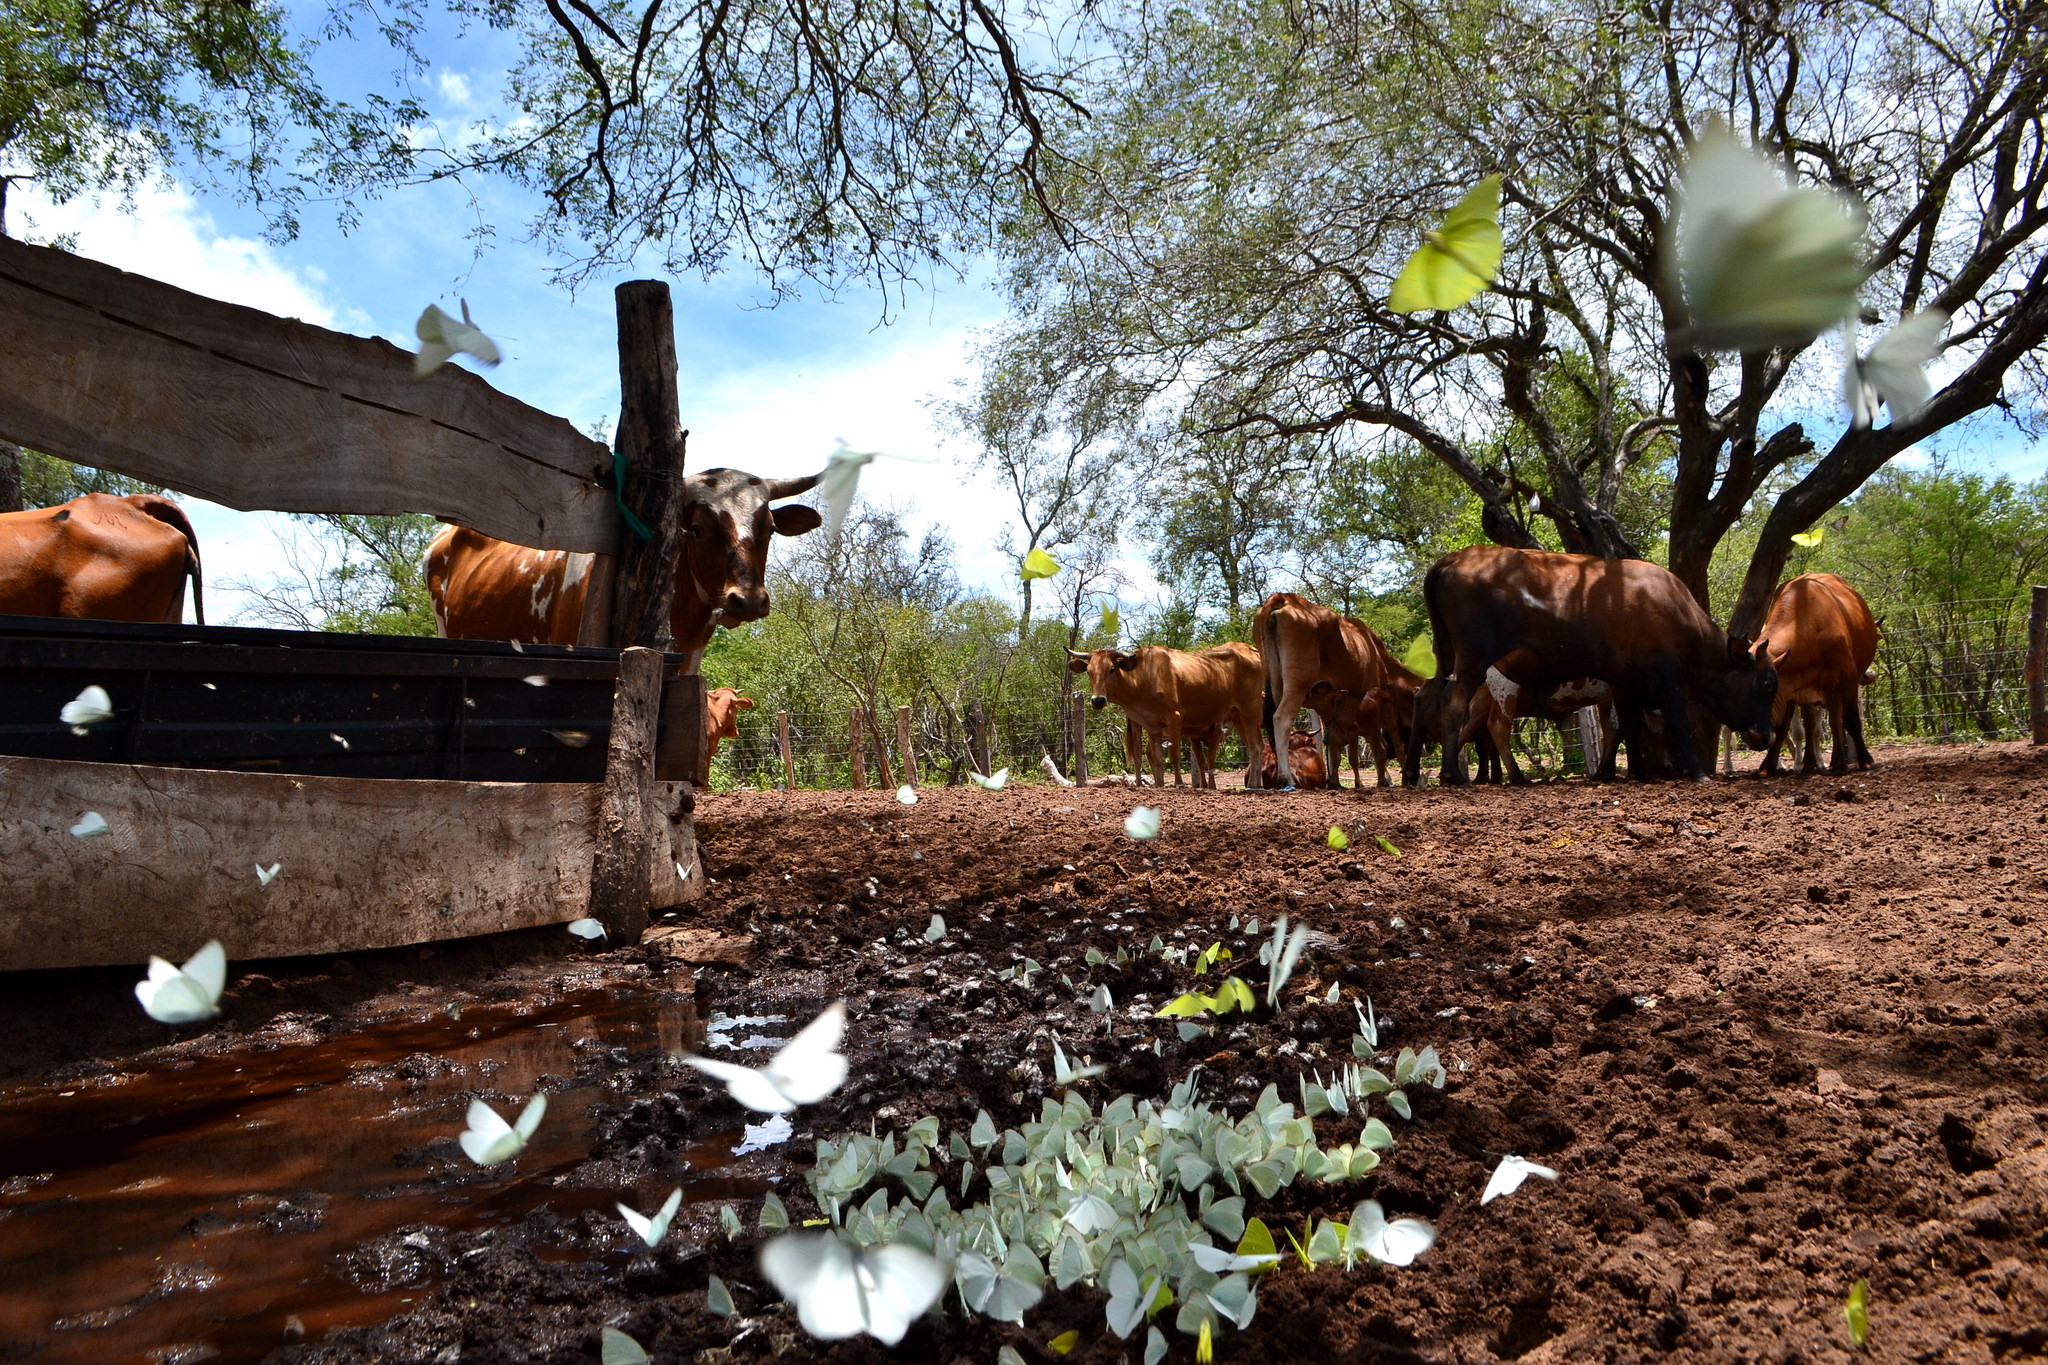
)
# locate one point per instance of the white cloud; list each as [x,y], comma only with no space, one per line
[454,87]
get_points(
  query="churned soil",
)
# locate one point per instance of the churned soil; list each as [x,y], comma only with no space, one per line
[1776,1035]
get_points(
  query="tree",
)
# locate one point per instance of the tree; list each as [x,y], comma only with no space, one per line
[1267,167]
[349,572]
[1229,519]
[101,96]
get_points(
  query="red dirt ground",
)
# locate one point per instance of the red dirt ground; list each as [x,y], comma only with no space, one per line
[1776,1035]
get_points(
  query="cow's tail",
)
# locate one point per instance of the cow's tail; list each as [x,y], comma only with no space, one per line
[173,516]
[1269,654]
[1440,641]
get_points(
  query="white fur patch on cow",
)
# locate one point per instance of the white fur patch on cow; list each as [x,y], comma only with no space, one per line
[577,570]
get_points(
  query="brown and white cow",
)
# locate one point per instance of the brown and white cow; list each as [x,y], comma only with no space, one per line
[1176,693]
[1822,639]
[101,557]
[722,707]
[485,589]
[1381,719]
[1302,644]
[1545,619]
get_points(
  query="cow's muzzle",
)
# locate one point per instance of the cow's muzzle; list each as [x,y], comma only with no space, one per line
[1756,739]
[748,605]
[1098,702]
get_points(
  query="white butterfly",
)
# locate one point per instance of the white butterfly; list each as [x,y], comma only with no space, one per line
[490,1140]
[1286,952]
[265,876]
[1509,1175]
[89,707]
[806,1070]
[337,739]
[1100,1001]
[1391,1243]
[1895,371]
[185,995]
[1223,1261]
[620,1349]
[1128,1300]
[936,930]
[842,477]
[652,1230]
[1762,263]
[535,680]
[1142,823]
[587,928]
[1065,1074]
[994,784]
[840,1292]
[91,825]
[442,336]
[1002,1292]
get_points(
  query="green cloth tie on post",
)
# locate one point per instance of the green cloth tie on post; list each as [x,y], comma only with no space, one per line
[619,495]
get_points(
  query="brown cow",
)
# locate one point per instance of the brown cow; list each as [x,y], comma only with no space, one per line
[1821,638]
[1302,644]
[1382,719]
[722,707]
[101,557]
[1545,619]
[485,589]
[1304,757]
[1174,693]
[1486,730]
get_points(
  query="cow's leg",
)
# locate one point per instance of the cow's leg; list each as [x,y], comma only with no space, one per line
[1809,760]
[1174,738]
[1291,702]
[1457,705]
[1781,729]
[1503,731]
[1678,749]
[1131,744]
[1838,731]
[1852,712]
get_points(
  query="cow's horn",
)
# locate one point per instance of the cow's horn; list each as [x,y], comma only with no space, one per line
[789,488]
[1077,653]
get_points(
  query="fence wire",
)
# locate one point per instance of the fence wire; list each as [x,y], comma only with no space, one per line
[1943,673]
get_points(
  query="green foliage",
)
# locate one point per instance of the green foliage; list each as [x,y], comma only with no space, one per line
[47,481]
[349,572]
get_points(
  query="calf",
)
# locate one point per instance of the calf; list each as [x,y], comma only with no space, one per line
[100,557]
[1546,619]
[722,707]
[1175,693]
[1304,759]
[1302,644]
[1821,638]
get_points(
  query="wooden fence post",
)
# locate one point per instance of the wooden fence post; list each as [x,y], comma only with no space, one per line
[623,867]
[1591,741]
[2037,661]
[882,768]
[788,763]
[651,437]
[977,739]
[904,746]
[1080,773]
[853,747]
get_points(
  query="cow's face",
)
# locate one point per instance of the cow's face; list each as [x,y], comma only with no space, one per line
[1756,682]
[727,526]
[1101,665]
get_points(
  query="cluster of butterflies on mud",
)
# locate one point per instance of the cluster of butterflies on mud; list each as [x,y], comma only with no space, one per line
[1761,262]
[1142,824]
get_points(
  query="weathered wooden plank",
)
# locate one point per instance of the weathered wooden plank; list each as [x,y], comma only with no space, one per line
[255,411]
[366,863]
[684,755]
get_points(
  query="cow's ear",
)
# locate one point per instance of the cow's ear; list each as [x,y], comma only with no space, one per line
[795,519]
[1740,649]
[1077,663]
[1323,689]
[743,703]
[1125,662]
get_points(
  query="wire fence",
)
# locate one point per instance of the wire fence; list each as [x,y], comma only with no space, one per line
[1943,673]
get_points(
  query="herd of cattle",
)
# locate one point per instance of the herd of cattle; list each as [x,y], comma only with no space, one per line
[1517,633]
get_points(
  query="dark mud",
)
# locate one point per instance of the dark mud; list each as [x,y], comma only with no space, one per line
[1776,1036]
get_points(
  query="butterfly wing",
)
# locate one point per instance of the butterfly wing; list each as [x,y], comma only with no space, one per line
[474,342]
[816,1272]
[1405,1239]
[1506,1179]
[904,1284]
[530,1117]
[620,1349]
[643,1227]
[840,479]
[488,1139]
[1002,775]
[750,1087]
[174,1001]
[1126,1309]
[667,1213]
[1896,368]
[1215,1260]
[1284,969]
[809,1066]
[432,356]
[208,969]
[88,707]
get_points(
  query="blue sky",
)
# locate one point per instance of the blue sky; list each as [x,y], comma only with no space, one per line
[767,389]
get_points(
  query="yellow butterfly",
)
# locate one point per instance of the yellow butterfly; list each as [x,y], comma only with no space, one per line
[1811,539]
[1039,564]
[1457,261]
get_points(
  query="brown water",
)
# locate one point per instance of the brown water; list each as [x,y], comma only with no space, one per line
[200,1209]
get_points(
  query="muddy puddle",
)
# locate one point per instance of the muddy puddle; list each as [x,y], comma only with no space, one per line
[214,1208]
